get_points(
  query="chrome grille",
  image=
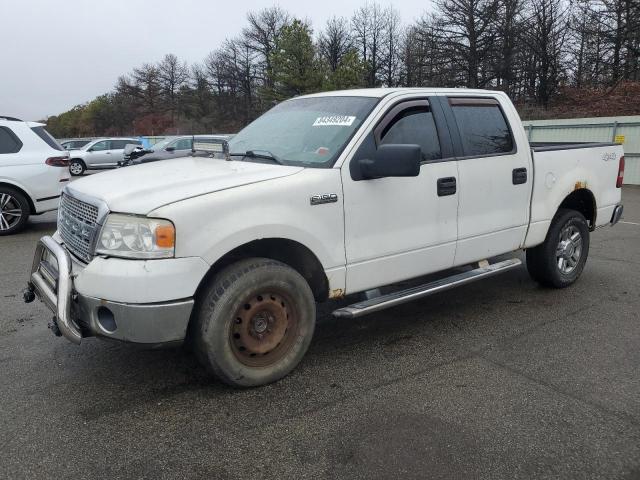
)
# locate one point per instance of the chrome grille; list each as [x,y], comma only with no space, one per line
[78,225]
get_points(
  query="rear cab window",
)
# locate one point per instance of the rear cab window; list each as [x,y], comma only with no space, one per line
[9,142]
[47,138]
[483,127]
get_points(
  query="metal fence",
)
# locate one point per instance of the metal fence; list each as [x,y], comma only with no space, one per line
[624,130]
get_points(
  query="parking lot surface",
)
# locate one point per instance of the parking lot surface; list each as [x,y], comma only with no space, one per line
[497,379]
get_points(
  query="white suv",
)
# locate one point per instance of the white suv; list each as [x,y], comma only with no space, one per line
[30,175]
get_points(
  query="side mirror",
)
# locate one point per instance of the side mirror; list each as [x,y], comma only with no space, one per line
[392,161]
[170,149]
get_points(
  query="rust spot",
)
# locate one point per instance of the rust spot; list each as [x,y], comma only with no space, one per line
[337,293]
[580,185]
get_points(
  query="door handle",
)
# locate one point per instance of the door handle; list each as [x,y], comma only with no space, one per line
[446,186]
[108,153]
[519,176]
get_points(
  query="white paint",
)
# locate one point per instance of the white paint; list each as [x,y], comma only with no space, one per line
[26,169]
[379,231]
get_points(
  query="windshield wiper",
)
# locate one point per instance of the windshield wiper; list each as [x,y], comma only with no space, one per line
[264,154]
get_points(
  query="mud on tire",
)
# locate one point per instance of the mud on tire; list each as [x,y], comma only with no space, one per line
[253,322]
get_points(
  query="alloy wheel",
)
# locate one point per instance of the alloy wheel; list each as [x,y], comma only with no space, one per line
[569,249]
[10,211]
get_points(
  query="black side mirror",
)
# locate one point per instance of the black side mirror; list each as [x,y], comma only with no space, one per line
[170,149]
[392,161]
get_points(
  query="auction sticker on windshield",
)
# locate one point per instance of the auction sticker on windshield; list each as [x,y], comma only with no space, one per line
[334,120]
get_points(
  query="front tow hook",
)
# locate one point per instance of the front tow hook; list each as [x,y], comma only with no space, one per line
[53,326]
[28,295]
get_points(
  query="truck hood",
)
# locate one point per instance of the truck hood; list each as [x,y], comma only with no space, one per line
[142,188]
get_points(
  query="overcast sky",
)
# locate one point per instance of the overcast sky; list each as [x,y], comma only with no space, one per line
[55,54]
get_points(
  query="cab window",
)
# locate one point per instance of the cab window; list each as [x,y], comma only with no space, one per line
[414,126]
[483,127]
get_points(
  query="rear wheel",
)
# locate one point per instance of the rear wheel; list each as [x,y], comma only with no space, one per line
[77,167]
[14,211]
[254,322]
[559,261]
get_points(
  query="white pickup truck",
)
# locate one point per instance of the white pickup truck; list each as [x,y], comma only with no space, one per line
[325,195]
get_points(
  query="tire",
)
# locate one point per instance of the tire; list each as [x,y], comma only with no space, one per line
[254,322]
[77,167]
[559,261]
[14,210]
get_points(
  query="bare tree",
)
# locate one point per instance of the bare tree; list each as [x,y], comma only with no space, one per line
[261,36]
[368,25]
[546,37]
[468,34]
[391,47]
[334,42]
[172,75]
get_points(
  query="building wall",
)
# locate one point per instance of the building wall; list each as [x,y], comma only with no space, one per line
[625,130]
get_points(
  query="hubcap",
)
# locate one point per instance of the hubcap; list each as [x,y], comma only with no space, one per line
[76,168]
[10,211]
[569,249]
[263,329]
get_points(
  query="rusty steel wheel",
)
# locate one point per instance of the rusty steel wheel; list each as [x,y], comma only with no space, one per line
[254,322]
[264,329]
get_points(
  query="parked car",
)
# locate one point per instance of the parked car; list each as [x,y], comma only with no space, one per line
[74,144]
[171,147]
[31,177]
[99,154]
[324,195]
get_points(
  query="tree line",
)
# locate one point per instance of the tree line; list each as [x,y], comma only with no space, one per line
[531,49]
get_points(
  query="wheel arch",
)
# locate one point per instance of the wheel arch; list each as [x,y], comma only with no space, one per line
[290,252]
[583,201]
[15,186]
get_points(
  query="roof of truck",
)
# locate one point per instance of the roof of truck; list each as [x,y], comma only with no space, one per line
[382,92]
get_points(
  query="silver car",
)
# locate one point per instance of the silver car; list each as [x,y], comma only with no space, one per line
[174,147]
[99,154]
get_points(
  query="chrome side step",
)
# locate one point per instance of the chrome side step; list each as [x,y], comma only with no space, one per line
[396,298]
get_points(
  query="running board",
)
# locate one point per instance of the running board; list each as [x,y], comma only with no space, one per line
[396,298]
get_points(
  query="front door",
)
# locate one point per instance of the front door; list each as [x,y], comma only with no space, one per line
[99,154]
[400,228]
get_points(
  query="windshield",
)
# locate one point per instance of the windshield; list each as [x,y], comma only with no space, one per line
[304,131]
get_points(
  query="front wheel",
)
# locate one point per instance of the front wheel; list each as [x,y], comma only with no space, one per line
[254,322]
[559,261]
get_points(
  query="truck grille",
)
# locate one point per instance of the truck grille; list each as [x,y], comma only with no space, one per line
[78,225]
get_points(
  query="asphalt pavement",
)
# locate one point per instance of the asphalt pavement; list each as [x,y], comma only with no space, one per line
[497,379]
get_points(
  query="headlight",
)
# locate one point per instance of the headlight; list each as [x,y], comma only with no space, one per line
[136,237]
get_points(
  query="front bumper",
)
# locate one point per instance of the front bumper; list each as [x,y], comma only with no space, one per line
[77,316]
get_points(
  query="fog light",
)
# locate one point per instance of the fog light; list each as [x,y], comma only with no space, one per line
[106,320]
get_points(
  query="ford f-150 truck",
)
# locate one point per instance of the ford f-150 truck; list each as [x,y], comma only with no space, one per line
[323,196]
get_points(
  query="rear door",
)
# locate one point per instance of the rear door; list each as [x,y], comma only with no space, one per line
[400,228]
[116,149]
[494,178]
